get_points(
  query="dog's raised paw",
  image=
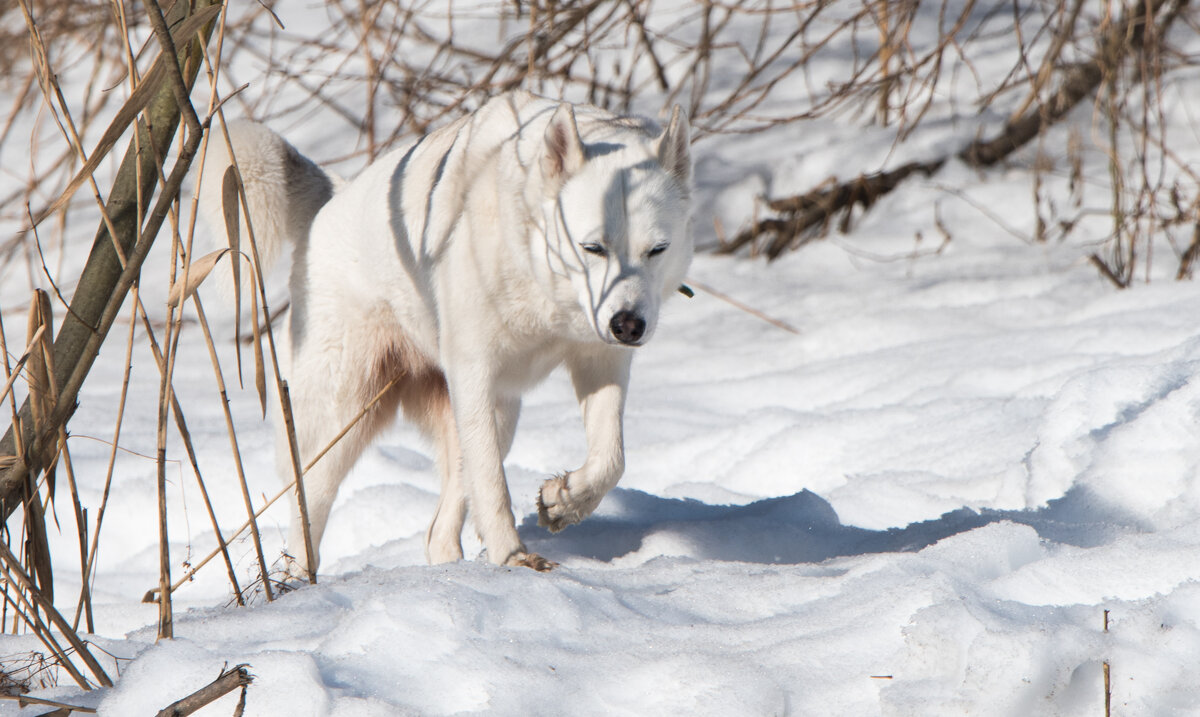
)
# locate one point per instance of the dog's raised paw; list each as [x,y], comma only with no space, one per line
[551,504]
[531,560]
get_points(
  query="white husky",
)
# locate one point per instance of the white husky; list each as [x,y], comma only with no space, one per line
[529,234]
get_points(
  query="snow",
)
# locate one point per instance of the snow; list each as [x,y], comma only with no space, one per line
[925,502]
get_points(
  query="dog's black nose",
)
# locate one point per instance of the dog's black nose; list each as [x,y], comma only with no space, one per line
[628,327]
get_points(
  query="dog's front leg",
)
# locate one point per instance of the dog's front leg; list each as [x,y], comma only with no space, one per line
[601,376]
[473,399]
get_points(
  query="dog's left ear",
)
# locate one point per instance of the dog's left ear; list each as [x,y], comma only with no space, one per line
[564,154]
[674,147]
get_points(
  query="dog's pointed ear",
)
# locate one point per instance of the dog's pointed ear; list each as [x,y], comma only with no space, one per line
[564,153]
[674,147]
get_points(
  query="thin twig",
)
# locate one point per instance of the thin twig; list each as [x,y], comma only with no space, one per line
[743,307]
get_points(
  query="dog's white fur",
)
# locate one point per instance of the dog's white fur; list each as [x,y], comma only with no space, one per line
[529,234]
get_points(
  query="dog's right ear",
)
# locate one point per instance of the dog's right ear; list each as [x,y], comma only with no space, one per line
[674,153]
[563,154]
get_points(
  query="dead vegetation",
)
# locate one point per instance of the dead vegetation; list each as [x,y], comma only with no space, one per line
[1120,59]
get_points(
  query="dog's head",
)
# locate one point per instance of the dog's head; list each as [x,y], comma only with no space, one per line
[620,221]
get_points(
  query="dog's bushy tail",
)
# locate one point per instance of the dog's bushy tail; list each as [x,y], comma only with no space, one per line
[284,189]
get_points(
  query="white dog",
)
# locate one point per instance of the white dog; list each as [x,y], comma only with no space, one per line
[469,264]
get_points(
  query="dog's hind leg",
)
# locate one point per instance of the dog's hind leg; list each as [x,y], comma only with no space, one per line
[601,377]
[332,379]
[443,539]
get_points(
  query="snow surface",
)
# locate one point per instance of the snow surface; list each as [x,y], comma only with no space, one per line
[923,503]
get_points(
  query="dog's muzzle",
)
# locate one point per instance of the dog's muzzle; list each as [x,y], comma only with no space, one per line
[627,327]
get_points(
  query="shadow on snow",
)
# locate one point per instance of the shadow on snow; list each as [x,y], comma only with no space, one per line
[801,528]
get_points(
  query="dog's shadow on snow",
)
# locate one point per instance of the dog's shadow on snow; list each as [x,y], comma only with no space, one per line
[800,528]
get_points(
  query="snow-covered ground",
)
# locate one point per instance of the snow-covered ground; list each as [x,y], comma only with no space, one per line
[923,503]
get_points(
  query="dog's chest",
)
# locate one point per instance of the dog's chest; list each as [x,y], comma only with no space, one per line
[522,370]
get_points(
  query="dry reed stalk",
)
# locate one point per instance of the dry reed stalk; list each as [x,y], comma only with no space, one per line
[14,371]
[235,258]
[85,595]
[310,550]
[1107,670]
[11,372]
[215,103]
[165,617]
[112,456]
[237,461]
[181,425]
[10,376]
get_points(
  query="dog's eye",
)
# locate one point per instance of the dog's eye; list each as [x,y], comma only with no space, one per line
[658,249]
[593,249]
